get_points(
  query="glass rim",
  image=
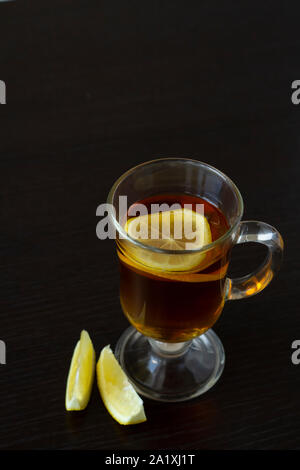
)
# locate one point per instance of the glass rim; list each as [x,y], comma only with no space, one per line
[206,247]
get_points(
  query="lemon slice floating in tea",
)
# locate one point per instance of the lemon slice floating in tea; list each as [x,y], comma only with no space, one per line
[180,229]
[81,374]
[118,395]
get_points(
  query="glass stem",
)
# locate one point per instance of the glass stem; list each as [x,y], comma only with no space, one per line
[170,350]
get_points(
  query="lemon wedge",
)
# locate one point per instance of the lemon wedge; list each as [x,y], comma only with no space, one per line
[81,374]
[118,395]
[177,230]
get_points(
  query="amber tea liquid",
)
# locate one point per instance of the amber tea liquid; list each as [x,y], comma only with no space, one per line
[175,306]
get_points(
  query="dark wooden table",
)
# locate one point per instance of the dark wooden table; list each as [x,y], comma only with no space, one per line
[94,88]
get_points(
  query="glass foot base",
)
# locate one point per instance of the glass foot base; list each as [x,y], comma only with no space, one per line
[171,371]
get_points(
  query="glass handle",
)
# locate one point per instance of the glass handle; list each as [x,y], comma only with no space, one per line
[255,282]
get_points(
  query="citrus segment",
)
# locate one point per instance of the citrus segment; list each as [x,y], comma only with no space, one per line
[177,230]
[81,374]
[118,395]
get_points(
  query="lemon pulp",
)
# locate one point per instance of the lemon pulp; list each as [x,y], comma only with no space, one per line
[81,374]
[118,395]
[177,230]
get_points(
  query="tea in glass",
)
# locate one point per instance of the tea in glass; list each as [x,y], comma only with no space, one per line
[159,300]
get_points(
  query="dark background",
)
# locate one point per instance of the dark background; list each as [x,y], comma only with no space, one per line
[94,88]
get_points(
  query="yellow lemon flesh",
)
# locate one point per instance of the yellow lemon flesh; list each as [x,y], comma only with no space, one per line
[81,374]
[177,230]
[118,395]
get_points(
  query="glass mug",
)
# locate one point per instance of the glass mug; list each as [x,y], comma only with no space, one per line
[172,297]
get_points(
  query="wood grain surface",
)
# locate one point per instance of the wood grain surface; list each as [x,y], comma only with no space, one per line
[94,88]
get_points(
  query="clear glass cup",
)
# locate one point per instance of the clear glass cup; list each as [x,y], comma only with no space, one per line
[166,362]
